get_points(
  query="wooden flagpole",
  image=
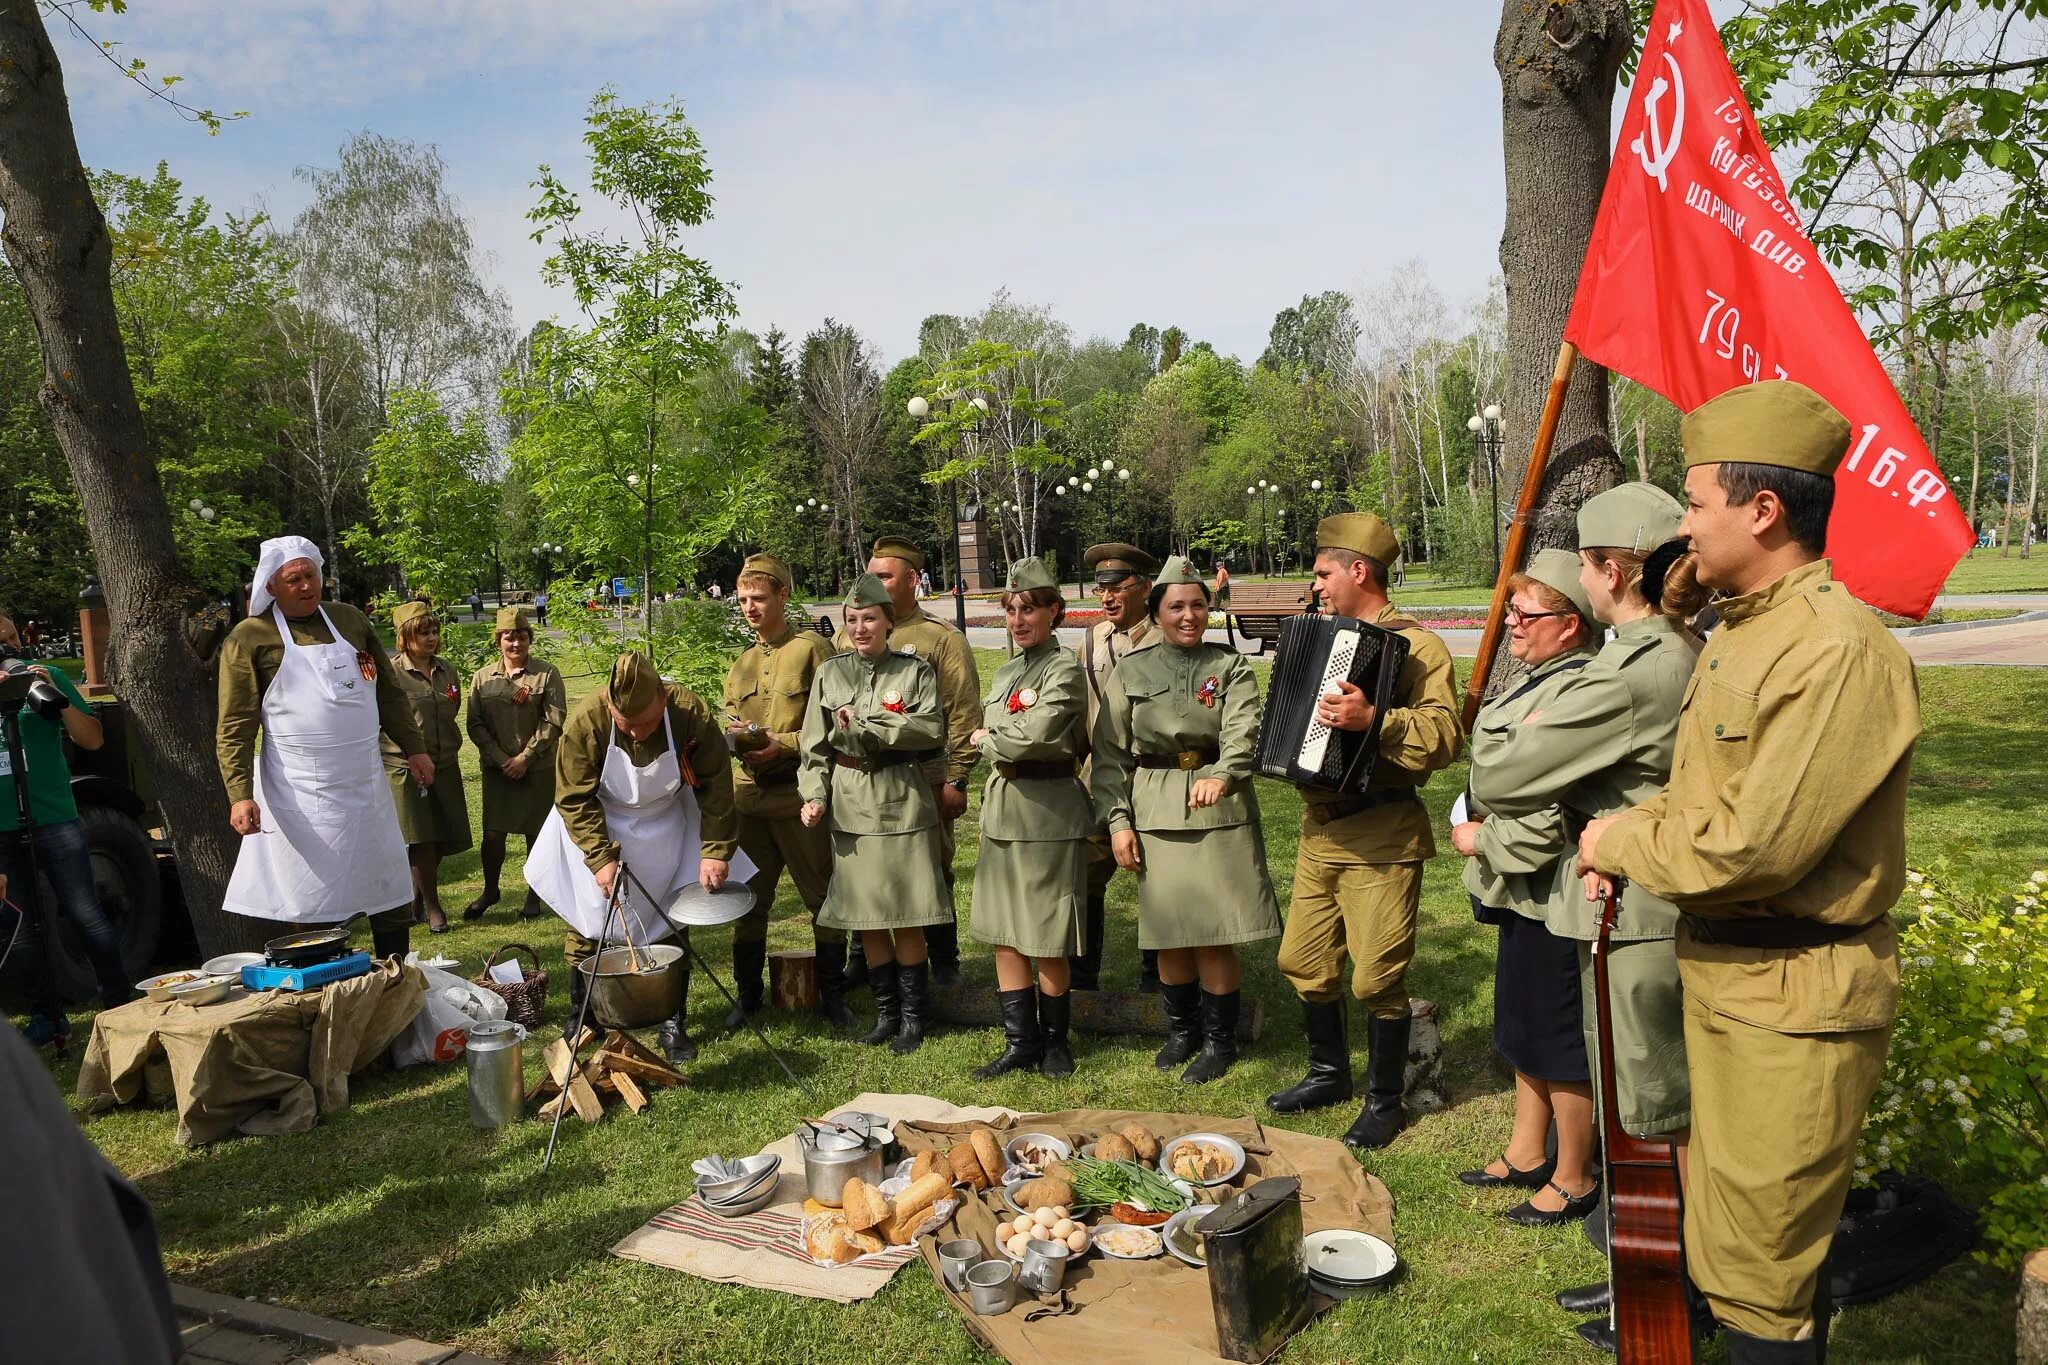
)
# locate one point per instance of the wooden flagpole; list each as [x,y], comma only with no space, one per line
[1518,530]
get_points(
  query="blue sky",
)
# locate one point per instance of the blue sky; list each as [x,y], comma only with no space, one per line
[1194,162]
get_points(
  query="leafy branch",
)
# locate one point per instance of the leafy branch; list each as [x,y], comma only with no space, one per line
[135,69]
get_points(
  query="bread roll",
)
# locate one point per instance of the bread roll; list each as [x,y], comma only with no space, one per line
[967,1167]
[864,1205]
[828,1238]
[1114,1147]
[1142,1141]
[923,1164]
[914,1203]
[990,1153]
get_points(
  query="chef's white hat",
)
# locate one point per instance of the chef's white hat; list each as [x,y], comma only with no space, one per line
[274,555]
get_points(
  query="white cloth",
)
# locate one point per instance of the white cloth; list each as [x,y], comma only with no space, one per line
[273,555]
[653,817]
[329,845]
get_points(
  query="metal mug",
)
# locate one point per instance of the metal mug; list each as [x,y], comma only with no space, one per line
[956,1258]
[992,1287]
[497,1085]
[1045,1265]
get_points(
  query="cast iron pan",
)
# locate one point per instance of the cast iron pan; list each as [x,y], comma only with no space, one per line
[312,944]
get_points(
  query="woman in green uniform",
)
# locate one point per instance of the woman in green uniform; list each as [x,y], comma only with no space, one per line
[1513,875]
[517,707]
[1173,764]
[435,818]
[874,717]
[1031,879]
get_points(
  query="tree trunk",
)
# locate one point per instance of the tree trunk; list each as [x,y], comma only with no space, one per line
[2033,482]
[1557,63]
[56,239]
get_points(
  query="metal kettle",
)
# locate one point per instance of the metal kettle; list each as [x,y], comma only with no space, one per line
[1258,1269]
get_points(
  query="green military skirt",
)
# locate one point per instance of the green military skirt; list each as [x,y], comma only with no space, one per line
[441,817]
[1203,888]
[1648,1008]
[1029,894]
[518,805]
[886,881]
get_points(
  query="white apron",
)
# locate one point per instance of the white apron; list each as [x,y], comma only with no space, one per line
[652,816]
[330,844]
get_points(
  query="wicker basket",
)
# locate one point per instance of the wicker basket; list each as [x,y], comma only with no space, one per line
[525,999]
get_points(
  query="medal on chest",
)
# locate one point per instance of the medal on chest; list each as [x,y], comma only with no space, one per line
[520,694]
[366,665]
[1023,699]
[892,702]
[1206,693]
[452,694]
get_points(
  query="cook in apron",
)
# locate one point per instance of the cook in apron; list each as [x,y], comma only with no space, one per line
[652,816]
[330,845]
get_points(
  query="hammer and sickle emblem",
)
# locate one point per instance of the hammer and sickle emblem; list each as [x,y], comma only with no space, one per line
[1654,145]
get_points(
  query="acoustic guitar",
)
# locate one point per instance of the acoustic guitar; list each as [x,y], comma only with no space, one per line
[1645,1206]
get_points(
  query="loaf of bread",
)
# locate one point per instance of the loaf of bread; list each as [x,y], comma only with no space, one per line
[967,1168]
[1114,1147]
[990,1153]
[863,1204]
[923,1164]
[1142,1141]
[828,1238]
[915,1202]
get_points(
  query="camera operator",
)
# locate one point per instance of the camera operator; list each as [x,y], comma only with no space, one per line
[52,710]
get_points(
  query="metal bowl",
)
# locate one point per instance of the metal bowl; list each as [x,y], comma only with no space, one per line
[1061,1149]
[753,1203]
[755,1170]
[205,991]
[1109,1225]
[159,987]
[1230,1145]
[1180,1227]
[231,964]
[1353,1260]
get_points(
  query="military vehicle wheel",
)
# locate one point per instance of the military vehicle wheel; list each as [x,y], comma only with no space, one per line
[124,873]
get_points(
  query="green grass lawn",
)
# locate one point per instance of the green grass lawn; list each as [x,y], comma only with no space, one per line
[2000,571]
[396,1212]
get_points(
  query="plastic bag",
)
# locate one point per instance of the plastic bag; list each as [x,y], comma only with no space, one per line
[438,1033]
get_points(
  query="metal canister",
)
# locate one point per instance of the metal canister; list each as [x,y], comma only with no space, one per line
[497,1083]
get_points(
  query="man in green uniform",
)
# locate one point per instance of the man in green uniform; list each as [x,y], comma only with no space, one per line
[637,713]
[1781,839]
[897,563]
[1123,580]
[516,708]
[766,691]
[1358,871]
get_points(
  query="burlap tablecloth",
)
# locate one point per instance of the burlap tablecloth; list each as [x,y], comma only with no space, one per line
[1159,1309]
[258,1062]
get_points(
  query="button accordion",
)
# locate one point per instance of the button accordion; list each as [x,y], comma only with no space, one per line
[1316,653]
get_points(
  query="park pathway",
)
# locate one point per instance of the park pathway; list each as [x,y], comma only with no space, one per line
[222,1330]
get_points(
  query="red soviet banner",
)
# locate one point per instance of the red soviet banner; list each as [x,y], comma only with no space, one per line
[1699,277]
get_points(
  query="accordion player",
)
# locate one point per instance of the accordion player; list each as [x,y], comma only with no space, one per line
[1316,653]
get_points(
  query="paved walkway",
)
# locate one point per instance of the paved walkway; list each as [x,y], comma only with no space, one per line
[222,1330]
[2021,644]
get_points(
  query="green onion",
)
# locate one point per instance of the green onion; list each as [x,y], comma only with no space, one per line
[1098,1184]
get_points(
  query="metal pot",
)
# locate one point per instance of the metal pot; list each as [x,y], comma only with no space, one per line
[623,998]
[826,1172]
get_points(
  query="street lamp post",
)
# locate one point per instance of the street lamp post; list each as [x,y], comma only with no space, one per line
[1485,428]
[920,408]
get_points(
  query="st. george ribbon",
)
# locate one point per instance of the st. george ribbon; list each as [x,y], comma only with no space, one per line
[1699,277]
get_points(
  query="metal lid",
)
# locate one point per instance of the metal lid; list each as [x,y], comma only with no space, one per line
[1260,1200]
[493,1034]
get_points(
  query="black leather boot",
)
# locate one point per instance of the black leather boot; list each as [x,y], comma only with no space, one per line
[1823,1311]
[831,954]
[1386,1077]
[1219,1039]
[390,940]
[1587,1298]
[1084,969]
[1744,1349]
[674,1035]
[1183,1024]
[912,984]
[856,964]
[888,1005]
[942,951]
[748,960]
[535,907]
[1148,971]
[1054,1014]
[579,986]
[1329,1061]
[1022,1043]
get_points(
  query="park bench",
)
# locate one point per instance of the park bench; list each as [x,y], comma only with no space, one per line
[1257,609]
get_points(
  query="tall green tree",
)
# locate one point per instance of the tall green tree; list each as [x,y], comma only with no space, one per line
[431,488]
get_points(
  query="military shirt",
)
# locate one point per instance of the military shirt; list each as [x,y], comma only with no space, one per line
[587,739]
[945,649]
[1167,700]
[1419,734]
[1515,866]
[516,714]
[1034,713]
[769,685]
[436,703]
[894,706]
[1787,798]
[1599,743]
[249,659]
[1101,649]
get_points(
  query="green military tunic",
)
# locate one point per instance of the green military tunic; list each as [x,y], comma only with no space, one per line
[1358,876]
[1600,743]
[440,815]
[1102,647]
[1031,878]
[1787,800]
[249,659]
[1203,878]
[517,714]
[883,814]
[1515,866]
[768,688]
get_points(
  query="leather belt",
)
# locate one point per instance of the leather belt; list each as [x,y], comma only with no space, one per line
[1187,760]
[785,778]
[891,758]
[1776,931]
[1323,812]
[1049,769]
